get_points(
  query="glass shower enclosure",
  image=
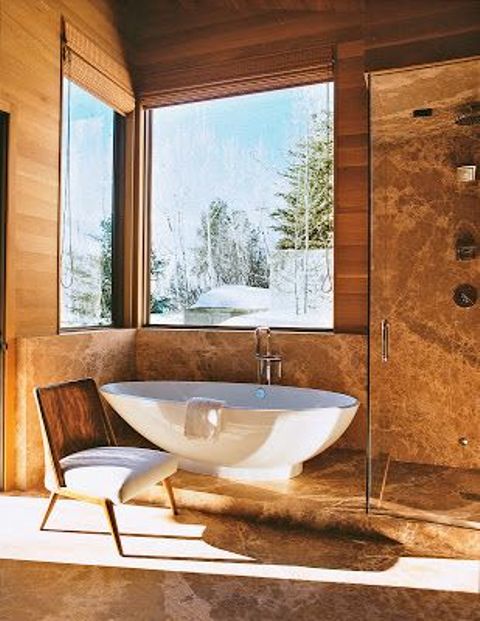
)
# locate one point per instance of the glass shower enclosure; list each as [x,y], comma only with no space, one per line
[424,420]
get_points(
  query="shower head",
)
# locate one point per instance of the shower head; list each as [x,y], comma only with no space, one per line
[469,114]
[473,119]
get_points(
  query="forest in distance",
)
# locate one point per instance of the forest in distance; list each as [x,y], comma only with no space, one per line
[241,219]
[232,253]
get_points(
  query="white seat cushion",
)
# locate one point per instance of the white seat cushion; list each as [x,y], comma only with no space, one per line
[115,472]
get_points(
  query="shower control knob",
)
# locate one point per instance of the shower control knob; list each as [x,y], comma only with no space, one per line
[465,296]
[463,441]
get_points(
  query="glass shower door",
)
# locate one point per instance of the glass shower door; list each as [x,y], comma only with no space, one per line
[425,270]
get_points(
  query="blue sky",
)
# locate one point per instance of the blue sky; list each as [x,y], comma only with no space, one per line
[83,104]
[262,117]
[231,148]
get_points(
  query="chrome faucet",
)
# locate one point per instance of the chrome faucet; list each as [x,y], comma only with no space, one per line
[266,361]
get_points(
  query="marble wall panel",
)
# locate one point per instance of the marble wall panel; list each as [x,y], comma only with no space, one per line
[311,360]
[332,362]
[105,355]
[426,398]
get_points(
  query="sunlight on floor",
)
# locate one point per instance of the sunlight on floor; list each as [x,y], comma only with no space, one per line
[153,539]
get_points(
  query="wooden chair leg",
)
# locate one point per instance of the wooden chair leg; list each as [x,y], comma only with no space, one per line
[112,523]
[171,498]
[51,503]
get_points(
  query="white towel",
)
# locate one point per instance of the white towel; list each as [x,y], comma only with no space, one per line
[203,418]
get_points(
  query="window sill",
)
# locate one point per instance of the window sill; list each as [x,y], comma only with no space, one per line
[207,328]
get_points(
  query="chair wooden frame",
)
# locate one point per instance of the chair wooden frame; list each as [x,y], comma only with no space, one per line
[62,491]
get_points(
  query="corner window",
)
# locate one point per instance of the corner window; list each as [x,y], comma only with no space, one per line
[242,211]
[89,178]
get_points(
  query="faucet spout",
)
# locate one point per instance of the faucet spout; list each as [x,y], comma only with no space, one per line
[263,335]
[266,360]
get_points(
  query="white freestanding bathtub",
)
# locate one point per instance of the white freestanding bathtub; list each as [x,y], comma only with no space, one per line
[267,431]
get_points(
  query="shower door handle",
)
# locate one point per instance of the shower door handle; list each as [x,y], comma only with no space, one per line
[385,340]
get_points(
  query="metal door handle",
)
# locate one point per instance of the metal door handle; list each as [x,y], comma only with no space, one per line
[385,340]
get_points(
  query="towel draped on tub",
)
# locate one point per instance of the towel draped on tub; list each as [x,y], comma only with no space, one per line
[203,418]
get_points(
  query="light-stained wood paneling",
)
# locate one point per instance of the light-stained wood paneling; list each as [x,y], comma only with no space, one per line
[30,83]
[176,44]
[351,190]
[401,34]
[30,90]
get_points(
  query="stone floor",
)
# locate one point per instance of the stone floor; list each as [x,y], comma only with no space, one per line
[206,567]
[302,549]
[432,509]
[339,477]
[443,493]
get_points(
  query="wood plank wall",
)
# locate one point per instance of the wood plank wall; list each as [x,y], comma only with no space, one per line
[351,190]
[406,33]
[181,44]
[30,90]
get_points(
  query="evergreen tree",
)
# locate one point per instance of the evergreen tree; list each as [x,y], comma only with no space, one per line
[82,294]
[88,300]
[158,304]
[157,265]
[258,267]
[183,295]
[106,267]
[306,220]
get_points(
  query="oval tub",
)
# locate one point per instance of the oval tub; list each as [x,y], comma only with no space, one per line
[267,432]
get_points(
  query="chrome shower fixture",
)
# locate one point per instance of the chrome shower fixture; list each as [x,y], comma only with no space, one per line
[469,114]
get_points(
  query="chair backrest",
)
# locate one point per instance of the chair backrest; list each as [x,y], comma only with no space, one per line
[72,419]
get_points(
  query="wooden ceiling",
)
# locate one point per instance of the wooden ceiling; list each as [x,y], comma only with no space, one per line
[179,48]
[175,42]
[147,19]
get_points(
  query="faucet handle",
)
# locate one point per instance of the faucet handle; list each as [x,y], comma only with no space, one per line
[258,339]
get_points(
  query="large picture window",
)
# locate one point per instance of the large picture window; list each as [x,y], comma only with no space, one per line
[88,209]
[242,211]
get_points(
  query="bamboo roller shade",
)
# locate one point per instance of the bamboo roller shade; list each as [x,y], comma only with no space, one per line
[89,66]
[259,72]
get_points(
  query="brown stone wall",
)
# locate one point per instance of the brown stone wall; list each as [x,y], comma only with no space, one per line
[310,360]
[427,396]
[105,355]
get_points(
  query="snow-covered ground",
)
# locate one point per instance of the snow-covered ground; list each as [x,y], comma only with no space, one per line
[235,296]
[322,318]
[250,307]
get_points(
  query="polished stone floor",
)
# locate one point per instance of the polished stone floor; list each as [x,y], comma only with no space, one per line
[448,494]
[205,567]
[337,478]
[431,510]
[298,550]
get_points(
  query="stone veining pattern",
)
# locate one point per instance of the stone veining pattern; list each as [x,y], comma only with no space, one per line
[427,396]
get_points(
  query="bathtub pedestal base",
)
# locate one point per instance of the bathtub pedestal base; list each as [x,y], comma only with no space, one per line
[243,474]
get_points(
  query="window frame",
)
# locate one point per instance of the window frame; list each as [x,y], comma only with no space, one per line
[119,155]
[147,211]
